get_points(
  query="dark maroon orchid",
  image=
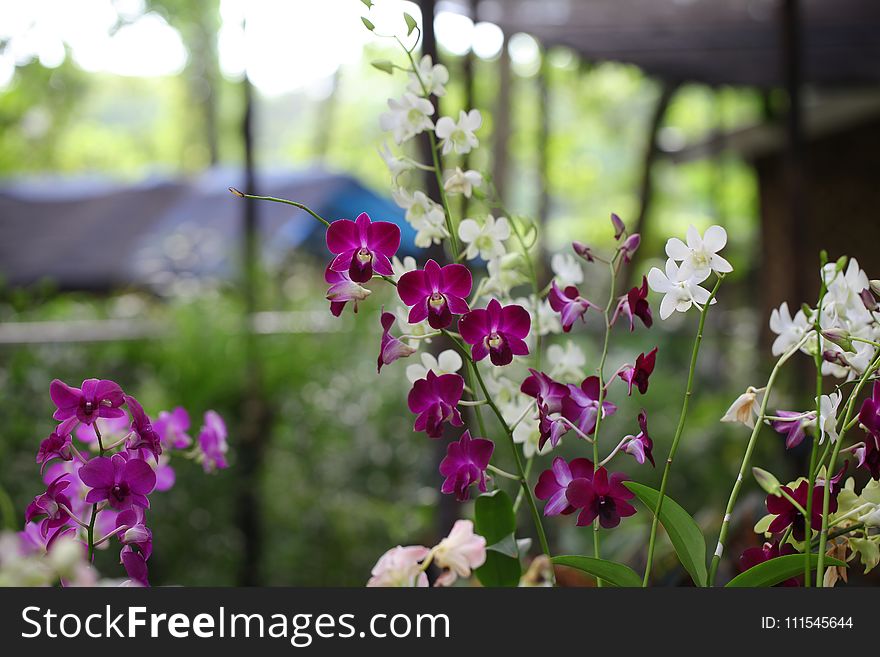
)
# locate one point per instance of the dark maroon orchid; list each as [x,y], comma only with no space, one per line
[96,398]
[553,484]
[465,464]
[581,406]
[868,455]
[641,445]
[51,506]
[363,246]
[391,348]
[794,427]
[342,290]
[435,293]
[788,515]
[122,482]
[58,444]
[545,390]
[601,497]
[635,304]
[753,556]
[869,413]
[569,303]
[639,373]
[434,400]
[497,331]
[143,435]
[550,427]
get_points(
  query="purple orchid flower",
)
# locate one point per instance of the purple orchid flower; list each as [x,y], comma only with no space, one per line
[172,427]
[122,482]
[497,331]
[135,566]
[465,464]
[868,456]
[132,530]
[553,484]
[212,443]
[787,515]
[434,400]
[49,505]
[753,556]
[363,246]
[641,445]
[618,225]
[550,427]
[635,304]
[145,437]
[581,406]
[96,398]
[583,251]
[869,413]
[601,497]
[569,303]
[639,373]
[391,348]
[794,429]
[545,390]
[629,247]
[435,293]
[342,290]
[58,444]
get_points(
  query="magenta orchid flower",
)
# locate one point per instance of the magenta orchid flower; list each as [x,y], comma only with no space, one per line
[434,400]
[550,427]
[639,373]
[391,348]
[545,390]
[50,506]
[640,446]
[553,484]
[868,455]
[342,290]
[635,304]
[172,427]
[435,293]
[569,303]
[465,464]
[212,443]
[132,530]
[362,247]
[497,331]
[143,435]
[135,566]
[753,556]
[629,247]
[96,398]
[58,444]
[122,482]
[794,429]
[601,497]
[787,514]
[581,406]
[583,251]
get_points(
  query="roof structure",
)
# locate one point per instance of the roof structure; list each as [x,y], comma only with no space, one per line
[717,42]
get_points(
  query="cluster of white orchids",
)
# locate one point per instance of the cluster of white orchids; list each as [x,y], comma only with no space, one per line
[484,340]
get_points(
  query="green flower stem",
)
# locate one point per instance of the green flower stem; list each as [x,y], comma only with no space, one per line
[281,200]
[826,496]
[840,532]
[600,372]
[814,449]
[90,531]
[698,340]
[503,473]
[519,495]
[753,439]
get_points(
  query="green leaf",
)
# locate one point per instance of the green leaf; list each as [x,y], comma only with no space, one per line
[683,532]
[368,3]
[612,572]
[368,23]
[383,65]
[495,521]
[410,23]
[779,569]
[506,546]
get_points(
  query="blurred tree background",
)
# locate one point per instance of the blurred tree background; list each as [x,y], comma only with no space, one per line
[344,477]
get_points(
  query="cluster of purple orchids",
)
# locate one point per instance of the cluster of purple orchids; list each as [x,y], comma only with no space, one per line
[101,464]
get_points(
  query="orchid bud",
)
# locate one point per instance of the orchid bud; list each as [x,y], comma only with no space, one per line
[868,299]
[768,482]
[630,246]
[840,264]
[619,226]
[583,251]
[875,286]
[136,534]
[835,357]
[840,337]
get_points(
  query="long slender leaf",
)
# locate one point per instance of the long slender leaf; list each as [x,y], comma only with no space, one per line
[495,521]
[616,574]
[686,537]
[779,569]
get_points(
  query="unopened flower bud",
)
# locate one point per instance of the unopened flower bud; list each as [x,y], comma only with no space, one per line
[583,251]
[136,534]
[630,246]
[868,299]
[840,337]
[835,357]
[619,226]
[767,481]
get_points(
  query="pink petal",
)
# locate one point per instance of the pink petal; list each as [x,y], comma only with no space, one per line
[140,476]
[515,321]
[474,326]
[413,287]
[456,280]
[98,473]
[384,238]
[342,236]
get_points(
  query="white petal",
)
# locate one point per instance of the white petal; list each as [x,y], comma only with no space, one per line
[444,128]
[720,265]
[657,281]
[671,270]
[468,230]
[693,238]
[667,306]
[715,238]
[700,294]
[676,249]
[449,361]
[501,229]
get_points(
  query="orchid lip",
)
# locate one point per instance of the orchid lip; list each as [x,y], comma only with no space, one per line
[364,256]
